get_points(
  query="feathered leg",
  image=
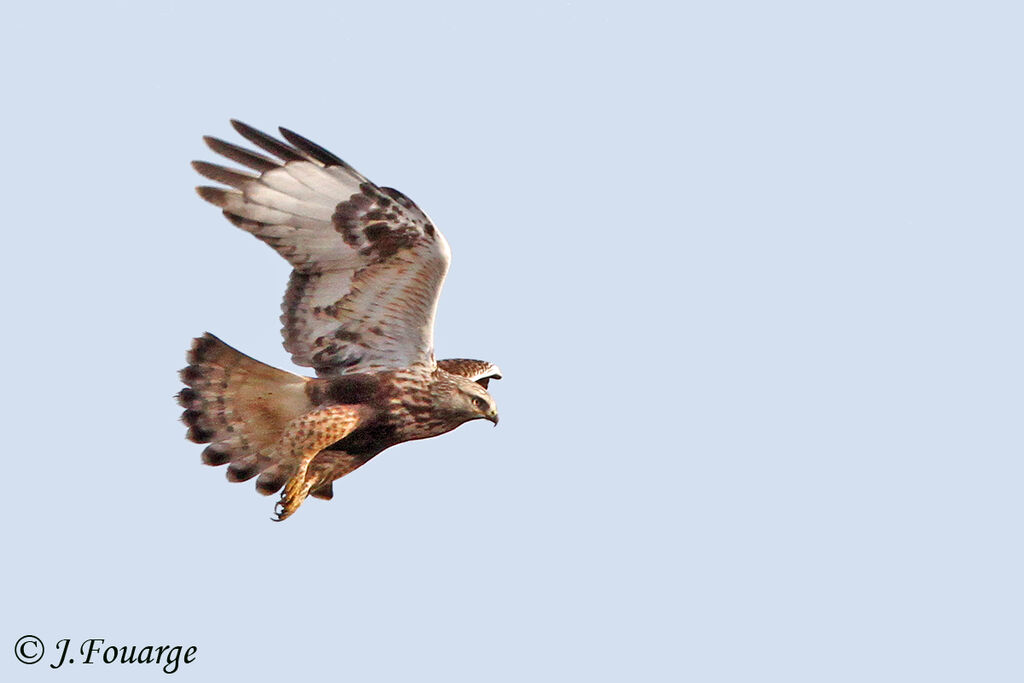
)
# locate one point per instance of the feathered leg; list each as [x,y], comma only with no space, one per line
[303,438]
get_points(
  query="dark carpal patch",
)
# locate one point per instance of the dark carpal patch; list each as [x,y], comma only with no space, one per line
[368,222]
[406,203]
[376,231]
[349,216]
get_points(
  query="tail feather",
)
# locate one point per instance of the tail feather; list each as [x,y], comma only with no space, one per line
[240,407]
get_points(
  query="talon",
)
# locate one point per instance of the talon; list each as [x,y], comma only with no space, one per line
[281,510]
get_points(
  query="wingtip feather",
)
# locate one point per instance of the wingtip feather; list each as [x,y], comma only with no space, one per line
[243,156]
[215,195]
[266,142]
[224,175]
[312,149]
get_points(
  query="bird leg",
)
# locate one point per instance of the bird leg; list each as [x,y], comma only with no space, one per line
[303,438]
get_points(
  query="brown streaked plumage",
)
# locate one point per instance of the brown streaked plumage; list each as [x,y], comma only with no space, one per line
[359,309]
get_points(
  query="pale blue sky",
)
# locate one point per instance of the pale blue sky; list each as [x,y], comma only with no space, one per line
[752,272]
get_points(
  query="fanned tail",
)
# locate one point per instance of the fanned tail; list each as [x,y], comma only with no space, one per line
[241,408]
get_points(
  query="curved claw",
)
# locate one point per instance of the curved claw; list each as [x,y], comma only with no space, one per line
[278,511]
[295,493]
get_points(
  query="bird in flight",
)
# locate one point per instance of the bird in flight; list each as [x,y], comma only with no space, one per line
[368,266]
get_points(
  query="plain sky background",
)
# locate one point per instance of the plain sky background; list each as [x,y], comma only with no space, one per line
[752,271]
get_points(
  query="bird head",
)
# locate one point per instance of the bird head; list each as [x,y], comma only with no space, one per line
[463,399]
[476,402]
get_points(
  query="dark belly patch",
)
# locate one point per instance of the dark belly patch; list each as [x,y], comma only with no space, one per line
[367,441]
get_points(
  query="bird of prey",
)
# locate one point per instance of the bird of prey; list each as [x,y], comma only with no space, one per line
[359,309]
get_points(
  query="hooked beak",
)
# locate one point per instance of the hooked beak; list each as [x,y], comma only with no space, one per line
[493,417]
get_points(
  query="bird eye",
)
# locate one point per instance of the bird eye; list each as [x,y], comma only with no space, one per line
[480,403]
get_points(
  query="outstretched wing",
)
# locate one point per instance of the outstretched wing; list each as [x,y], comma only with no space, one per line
[368,262]
[480,371]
